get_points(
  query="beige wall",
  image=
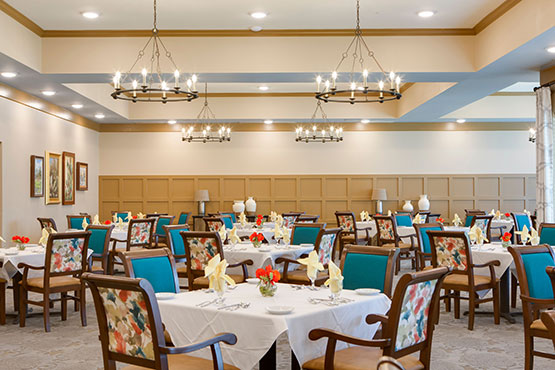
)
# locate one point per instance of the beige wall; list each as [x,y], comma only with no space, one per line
[24,132]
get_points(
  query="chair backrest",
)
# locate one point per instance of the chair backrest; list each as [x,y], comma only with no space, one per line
[307,219]
[347,222]
[66,254]
[387,229]
[305,233]
[470,213]
[403,219]
[174,241]
[230,214]
[484,223]
[452,249]
[162,221]
[432,217]
[368,267]
[325,244]
[213,223]
[290,218]
[547,233]
[531,264]
[155,215]
[183,218]
[422,236]
[140,232]
[99,241]
[48,223]
[124,215]
[76,221]
[155,265]
[521,219]
[200,247]
[228,221]
[412,314]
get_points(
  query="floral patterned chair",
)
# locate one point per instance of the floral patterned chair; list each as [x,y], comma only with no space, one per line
[131,328]
[290,218]
[213,223]
[452,249]
[47,223]
[200,247]
[388,237]
[408,328]
[324,246]
[65,261]
[346,221]
[484,223]
[139,235]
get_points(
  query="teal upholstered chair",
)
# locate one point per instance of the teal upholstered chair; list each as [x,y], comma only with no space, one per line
[520,220]
[155,265]
[470,213]
[228,221]
[99,243]
[230,214]
[159,233]
[305,233]
[403,219]
[75,222]
[174,241]
[547,233]
[424,251]
[183,218]
[368,267]
[536,293]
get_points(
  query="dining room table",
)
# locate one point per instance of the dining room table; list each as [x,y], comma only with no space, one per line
[258,321]
[266,230]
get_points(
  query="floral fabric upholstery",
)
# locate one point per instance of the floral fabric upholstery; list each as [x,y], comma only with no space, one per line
[385,227]
[67,255]
[413,320]
[140,233]
[129,331]
[288,221]
[202,250]
[326,247]
[451,252]
[346,222]
[214,226]
[481,223]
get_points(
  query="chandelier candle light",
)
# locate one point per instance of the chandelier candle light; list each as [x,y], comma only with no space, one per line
[154,85]
[359,89]
[333,134]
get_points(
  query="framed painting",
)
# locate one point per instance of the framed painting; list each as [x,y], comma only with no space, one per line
[68,176]
[83,176]
[53,171]
[37,176]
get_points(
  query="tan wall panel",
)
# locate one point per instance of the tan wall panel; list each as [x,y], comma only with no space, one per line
[106,210]
[412,187]
[331,206]
[513,205]
[182,189]
[513,186]
[487,187]
[260,188]
[361,187]
[392,205]
[132,189]
[440,206]
[183,206]
[463,186]
[530,187]
[131,206]
[157,207]
[458,206]
[488,204]
[311,187]
[109,188]
[212,185]
[284,206]
[336,188]
[157,188]
[234,188]
[285,187]
[438,186]
[311,207]
[390,184]
[263,207]
[358,206]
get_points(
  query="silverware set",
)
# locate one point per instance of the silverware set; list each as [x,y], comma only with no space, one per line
[234,307]
[302,287]
[329,301]
[207,303]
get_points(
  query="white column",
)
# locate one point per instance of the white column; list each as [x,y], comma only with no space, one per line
[544,156]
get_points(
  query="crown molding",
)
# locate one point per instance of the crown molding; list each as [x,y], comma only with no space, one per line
[495,15]
[22,19]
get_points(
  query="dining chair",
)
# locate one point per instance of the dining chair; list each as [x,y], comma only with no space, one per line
[131,329]
[308,219]
[324,247]
[424,251]
[230,214]
[99,243]
[346,221]
[155,265]
[452,249]
[139,235]
[305,233]
[408,328]
[75,222]
[389,363]
[65,261]
[548,319]
[47,223]
[388,237]
[213,223]
[124,215]
[177,247]
[368,267]
[155,215]
[200,247]
[483,222]
[3,283]
[159,233]
[432,217]
[470,213]
[536,293]
[520,219]
[290,218]
[547,233]
[403,219]
[183,218]
[228,221]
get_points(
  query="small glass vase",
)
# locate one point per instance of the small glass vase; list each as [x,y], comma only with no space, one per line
[267,289]
[21,246]
[256,244]
[506,244]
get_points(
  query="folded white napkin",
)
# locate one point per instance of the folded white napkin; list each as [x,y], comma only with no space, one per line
[233,238]
[285,235]
[524,235]
[243,219]
[84,224]
[279,220]
[477,235]
[277,232]
[364,216]
[527,212]
[215,272]
[96,220]
[45,234]
[335,281]
[120,223]
[418,219]
[313,265]
[534,237]
[115,218]
[129,217]
[223,233]
[273,216]
[2,239]
[457,220]
[389,212]
[141,215]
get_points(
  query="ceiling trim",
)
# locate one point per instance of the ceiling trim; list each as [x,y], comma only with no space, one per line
[479,27]
[513,93]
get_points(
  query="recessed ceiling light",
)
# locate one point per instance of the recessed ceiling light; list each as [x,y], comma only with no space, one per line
[268,121]
[48,92]
[551,49]
[9,74]
[365,121]
[99,115]
[256,28]
[461,120]
[263,88]
[90,15]
[172,122]
[426,13]
[258,15]
[77,106]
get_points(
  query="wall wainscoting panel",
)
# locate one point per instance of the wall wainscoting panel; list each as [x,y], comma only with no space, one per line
[316,194]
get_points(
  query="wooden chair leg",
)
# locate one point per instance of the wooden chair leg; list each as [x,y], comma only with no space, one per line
[2,302]
[514,284]
[46,312]
[82,302]
[457,304]
[64,306]
[496,300]
[528,351]
[447,301]
[22,306]
[471,310]
[75,303]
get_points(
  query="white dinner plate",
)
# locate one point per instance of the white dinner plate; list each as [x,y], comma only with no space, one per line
[294,246]
[11,253]
[252,280]
[163,296]
[280,310]
[306,245]
[264,249]
[367,291]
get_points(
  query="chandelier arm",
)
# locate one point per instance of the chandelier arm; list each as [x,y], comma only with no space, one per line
[373,56]
[168,54]
[345,53]
[157,54]
[139,57]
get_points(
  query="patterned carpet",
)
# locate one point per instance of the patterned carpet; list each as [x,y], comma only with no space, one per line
[70,346]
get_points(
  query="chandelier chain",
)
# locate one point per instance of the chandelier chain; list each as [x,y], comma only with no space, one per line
[155,16]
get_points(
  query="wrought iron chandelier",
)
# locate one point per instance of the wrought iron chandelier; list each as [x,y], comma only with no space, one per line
[332,134]
[206,135]
[358,89]
[153,86]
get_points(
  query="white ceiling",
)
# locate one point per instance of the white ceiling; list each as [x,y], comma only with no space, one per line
[226,14]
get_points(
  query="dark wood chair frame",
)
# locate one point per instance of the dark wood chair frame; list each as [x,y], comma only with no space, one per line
[404,254]
[302,225]
[422,257]
[517,227]
[47,222]
[47,301]
[292,214]
[114,251]
[472,289]
[193,274]
[531,306]
[392,255]
[346,236]
[161,351]
[161,238]
[390,323]
[432,215]
[71,217]
[548,319]
[104,257]
[155,215]
[207,220]
[550,270]
[2,300]
[308,218]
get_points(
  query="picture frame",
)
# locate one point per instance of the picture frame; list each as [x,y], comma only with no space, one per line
[68,178]
[53,171]
[82,179]
[37,176]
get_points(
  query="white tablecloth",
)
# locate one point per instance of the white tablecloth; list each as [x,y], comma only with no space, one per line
[267,232]
[490,252]
[257,330]
[363,225]
[245,251]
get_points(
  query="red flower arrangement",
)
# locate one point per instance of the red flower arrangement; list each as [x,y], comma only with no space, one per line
[268,278]
[107,222]
[259,220]
[440,220]
[20,239]
[256,239]
[507,214]
[506,237]
[134,217]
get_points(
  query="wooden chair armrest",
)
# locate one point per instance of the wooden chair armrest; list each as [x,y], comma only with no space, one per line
[316,334]
[21,265]
[544,303]
[285,259]
[374,318]
[118,240]
[243,265]
[227,338]
[490,263]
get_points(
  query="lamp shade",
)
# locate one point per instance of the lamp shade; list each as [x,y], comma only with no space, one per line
[201,196]
[379,194]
